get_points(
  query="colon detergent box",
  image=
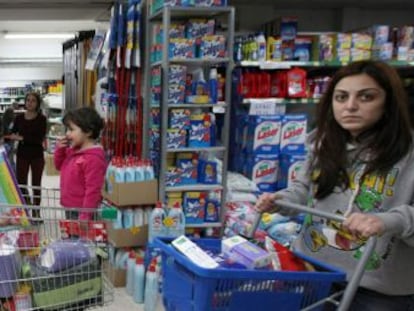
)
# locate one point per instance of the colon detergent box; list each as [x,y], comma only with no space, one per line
[262,134]
[293,133]
[290,164]
[263,170]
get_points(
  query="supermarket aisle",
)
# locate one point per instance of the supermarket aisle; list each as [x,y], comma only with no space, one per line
[121,300]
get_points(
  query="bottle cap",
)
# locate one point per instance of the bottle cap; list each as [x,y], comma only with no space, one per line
[139,260]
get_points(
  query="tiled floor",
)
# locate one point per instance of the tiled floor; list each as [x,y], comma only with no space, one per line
[121,300]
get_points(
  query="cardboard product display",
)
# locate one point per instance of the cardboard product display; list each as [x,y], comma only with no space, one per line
[134,193]
[115,275]
[132,237]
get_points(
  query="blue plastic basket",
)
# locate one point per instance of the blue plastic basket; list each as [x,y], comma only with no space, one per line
[188,287]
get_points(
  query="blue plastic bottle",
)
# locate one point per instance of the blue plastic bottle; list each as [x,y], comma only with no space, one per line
[130,273]
[139,280]
[156,223]
[151,289]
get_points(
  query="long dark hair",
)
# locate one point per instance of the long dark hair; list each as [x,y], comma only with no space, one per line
[38,99]
[391,134]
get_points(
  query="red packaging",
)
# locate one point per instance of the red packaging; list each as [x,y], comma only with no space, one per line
[296,82]
[278,84]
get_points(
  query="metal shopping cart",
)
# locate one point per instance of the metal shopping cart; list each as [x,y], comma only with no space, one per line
[49,261]
[188,287]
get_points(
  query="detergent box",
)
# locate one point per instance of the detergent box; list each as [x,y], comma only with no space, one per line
[194,207]
[289,165]
[188,163]
[263,170]
[293,133]
[263,134]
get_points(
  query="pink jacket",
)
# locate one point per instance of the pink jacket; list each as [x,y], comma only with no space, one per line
[82,174]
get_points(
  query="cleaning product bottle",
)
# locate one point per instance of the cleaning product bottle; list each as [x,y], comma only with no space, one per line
[128,218]
[139,171]
[177,226]
[156,222]
[139,280]
[261,47]
[119,171]
[138,217]
[151,288]
[129,171]
[117,223]
[130,273]
[213,85]
[149,170]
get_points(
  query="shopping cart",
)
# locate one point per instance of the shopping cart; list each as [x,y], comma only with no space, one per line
[49,261]
[188,287]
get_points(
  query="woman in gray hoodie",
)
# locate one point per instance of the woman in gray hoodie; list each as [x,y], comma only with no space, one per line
[361,164]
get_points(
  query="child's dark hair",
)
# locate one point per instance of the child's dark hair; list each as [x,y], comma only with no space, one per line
[87,119]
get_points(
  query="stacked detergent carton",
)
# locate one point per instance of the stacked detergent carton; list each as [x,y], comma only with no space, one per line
[269,147]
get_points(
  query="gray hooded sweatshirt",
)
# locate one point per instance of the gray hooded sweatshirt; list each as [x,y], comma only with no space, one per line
[391,268]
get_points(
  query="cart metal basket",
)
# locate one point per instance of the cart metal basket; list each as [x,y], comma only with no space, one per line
[50,260]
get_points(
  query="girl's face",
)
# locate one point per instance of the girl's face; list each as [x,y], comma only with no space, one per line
[76,136]
[358,103]
[31,103]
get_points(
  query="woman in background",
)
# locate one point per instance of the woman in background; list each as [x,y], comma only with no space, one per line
[29,130]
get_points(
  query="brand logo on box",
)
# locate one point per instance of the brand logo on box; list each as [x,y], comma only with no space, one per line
[265,169]
[293,131]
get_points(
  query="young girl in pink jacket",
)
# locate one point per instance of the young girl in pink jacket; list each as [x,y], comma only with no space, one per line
[81,162]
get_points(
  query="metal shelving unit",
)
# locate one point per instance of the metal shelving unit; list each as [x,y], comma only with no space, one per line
[165,16]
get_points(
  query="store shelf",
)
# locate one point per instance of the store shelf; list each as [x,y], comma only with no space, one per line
[219,105]
[195,61]
[185,12]
[197,187]
[205,225]
[281,101]
[290,64]
[197,149]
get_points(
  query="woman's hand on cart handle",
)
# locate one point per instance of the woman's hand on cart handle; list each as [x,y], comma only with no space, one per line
[363,225]
[266,202]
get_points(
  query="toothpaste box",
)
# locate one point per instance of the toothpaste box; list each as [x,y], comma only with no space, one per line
[290,164]
[263,170]
[263,134]
[244,252]
[293,133]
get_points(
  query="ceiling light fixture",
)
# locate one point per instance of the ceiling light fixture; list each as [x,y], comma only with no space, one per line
[46,35]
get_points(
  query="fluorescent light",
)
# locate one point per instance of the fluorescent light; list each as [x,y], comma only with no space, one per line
[39,35]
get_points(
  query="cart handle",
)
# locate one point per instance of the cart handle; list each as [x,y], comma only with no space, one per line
[353,283]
